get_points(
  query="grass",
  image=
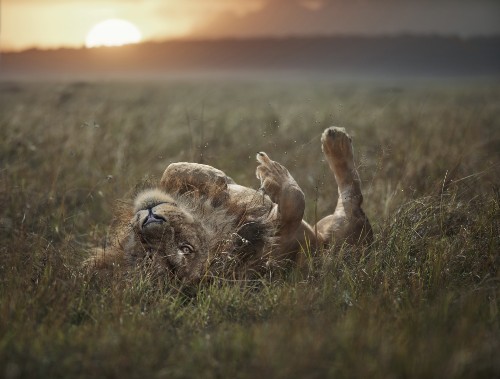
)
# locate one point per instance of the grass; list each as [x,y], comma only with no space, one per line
[422,302]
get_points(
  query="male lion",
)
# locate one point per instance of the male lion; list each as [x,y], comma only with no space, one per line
[198,222]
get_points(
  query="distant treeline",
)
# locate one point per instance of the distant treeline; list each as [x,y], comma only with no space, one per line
[399,55]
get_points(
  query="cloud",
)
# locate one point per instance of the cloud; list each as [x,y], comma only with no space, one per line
[323,17]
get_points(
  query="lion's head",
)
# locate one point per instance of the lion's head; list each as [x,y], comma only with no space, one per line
[188,237]
[166,232]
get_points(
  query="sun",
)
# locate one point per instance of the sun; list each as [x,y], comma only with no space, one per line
[113,32]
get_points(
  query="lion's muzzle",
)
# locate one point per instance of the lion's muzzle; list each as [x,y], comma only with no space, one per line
[152,218]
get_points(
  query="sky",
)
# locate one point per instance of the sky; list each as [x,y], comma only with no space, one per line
[65,23]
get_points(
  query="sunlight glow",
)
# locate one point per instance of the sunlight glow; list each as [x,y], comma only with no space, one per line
[113,32]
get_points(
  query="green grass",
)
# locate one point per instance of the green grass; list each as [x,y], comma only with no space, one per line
[422,302]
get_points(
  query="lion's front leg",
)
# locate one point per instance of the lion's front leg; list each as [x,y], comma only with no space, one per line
[283,190]
[204,180]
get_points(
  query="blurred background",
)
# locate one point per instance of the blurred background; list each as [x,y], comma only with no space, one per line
[337,38]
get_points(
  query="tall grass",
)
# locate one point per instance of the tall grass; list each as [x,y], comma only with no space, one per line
[423,301]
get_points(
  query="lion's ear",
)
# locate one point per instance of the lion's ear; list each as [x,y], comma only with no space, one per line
[249,239]
[252,231]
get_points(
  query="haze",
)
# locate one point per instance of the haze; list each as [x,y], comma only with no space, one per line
[65,23]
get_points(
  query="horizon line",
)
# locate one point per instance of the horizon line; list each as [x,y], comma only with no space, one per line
[196,39]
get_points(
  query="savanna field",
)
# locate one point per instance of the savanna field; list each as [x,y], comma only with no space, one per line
[423,301]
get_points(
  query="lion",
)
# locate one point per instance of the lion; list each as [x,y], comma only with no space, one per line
[198,222]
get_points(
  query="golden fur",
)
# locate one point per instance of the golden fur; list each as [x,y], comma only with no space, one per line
[199,223]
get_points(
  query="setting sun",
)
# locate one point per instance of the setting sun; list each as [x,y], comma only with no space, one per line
[113,32]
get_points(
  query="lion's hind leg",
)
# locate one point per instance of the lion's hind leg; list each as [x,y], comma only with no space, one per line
[348,223]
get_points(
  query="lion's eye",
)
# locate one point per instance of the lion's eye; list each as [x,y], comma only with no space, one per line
[186,248]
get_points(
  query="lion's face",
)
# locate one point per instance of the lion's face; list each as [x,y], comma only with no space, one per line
[168,235]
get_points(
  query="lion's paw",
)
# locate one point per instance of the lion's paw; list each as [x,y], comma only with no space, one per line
[336,144]
[272,175]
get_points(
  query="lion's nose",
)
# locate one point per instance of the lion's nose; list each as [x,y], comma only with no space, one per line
[152,218]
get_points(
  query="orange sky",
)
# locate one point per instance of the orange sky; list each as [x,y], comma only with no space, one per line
[56,23]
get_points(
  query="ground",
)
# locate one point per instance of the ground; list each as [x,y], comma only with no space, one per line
[423,301]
